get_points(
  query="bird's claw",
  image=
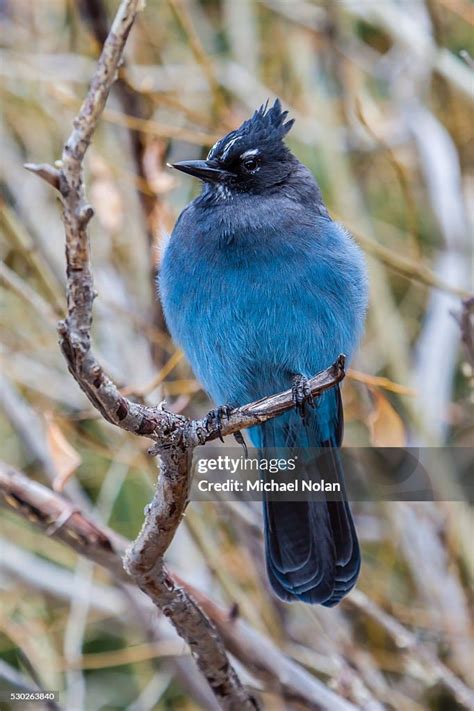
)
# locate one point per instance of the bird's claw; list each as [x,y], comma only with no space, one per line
[301,394]
[215,417]
[239,438]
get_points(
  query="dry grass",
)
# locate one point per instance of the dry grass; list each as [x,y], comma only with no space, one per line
[383,103]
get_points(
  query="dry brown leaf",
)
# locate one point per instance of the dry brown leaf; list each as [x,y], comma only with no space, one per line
[385,424]
[65,458]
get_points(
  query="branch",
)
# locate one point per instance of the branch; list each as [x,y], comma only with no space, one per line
[268,407]
[53,514]
[45,171]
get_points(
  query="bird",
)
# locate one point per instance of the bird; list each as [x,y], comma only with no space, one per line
[262,289]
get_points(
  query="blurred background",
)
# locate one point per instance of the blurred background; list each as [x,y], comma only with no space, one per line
[382,93]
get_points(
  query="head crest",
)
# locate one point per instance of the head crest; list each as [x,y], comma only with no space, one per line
[267,126]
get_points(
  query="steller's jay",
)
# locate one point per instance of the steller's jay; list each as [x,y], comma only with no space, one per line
[262,290]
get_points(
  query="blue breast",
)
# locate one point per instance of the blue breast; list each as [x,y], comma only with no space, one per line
[253,307]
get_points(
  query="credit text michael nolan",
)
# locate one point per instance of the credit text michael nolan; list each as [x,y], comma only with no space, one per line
[259,486]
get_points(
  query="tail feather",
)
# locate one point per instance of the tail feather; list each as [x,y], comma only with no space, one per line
[292,530]
[311,546]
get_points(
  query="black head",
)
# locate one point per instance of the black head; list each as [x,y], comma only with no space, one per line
[253,158]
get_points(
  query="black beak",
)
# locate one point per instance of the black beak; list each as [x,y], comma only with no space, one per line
[203,169]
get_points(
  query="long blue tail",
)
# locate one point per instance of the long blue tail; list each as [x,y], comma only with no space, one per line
[311,546]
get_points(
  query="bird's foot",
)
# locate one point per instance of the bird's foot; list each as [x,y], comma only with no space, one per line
[301,394]
[215,417]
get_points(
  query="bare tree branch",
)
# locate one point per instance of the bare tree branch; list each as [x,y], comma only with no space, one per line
[45,508]
[53,514]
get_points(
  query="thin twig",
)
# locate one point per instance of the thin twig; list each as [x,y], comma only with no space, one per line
[407,642]
[45,171]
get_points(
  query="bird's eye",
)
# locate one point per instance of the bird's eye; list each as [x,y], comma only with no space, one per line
[250,164]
